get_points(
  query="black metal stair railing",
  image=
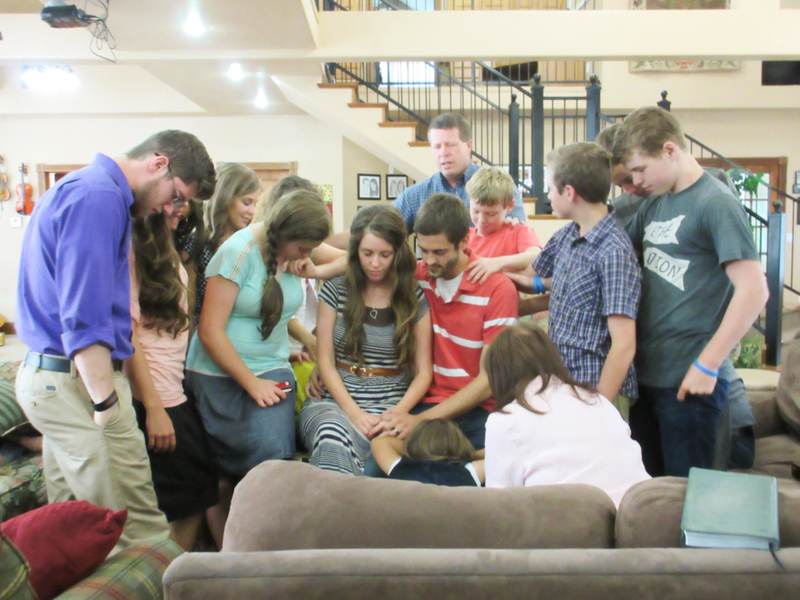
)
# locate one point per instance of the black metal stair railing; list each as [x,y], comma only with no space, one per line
[456,5]
[513,124]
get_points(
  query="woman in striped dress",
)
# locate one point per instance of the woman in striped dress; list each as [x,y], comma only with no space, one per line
[373,344]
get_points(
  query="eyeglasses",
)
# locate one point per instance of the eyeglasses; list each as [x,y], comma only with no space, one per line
[178,200]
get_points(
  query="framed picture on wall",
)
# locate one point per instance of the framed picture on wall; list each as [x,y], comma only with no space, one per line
[395,185]
[369,187]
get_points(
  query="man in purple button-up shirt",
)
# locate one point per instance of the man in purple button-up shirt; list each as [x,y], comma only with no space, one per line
[73,313]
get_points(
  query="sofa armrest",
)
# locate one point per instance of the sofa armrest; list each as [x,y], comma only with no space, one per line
[134,573]
[765,410]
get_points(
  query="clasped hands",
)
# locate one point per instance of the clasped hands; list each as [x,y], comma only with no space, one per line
[393,422]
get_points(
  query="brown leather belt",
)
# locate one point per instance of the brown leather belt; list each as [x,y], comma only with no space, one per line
[367,372]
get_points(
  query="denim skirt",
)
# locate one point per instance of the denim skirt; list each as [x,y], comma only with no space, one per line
[241,434]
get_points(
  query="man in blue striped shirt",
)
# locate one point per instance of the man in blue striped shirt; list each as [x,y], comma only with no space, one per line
[450,136]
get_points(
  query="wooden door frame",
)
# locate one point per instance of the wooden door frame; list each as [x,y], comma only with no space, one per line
[779,162]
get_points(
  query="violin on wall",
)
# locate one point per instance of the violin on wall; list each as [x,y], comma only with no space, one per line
[24,193]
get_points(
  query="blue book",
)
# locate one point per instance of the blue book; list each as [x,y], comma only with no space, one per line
[730,510]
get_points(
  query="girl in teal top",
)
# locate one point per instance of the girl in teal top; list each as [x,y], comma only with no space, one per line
[239,358]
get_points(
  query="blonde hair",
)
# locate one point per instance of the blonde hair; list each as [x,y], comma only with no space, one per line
[490,186]
[234,180]
[438,439]
[648,129]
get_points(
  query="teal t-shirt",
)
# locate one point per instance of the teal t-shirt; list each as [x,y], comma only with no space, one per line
[239,260]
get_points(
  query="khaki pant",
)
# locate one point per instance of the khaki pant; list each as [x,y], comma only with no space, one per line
[105,466]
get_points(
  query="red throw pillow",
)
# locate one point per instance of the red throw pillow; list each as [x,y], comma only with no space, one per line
[64,542]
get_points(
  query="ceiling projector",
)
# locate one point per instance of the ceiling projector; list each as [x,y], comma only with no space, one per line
[60,15]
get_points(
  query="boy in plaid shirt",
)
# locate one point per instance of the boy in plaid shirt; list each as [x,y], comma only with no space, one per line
[593,276]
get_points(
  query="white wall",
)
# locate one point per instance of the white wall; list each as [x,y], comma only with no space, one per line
[64,140]
[356,160]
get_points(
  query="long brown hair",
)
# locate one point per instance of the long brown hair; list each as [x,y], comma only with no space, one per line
[519,355]
[386,223]
[234,180]
[161,290]
[298,216]
[283,186]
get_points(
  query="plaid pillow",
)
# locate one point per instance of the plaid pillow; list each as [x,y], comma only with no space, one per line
[14,573]
[11,415]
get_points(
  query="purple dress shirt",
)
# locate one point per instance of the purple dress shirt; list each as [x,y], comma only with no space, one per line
[74,279]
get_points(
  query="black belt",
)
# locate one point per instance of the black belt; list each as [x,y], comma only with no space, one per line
[59,364]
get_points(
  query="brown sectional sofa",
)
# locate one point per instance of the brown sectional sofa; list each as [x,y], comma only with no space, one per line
[298,532]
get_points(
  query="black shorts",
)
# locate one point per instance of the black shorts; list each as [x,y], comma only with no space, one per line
[185,480]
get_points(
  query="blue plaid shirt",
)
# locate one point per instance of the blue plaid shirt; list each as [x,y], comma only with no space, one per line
[594,276]
[411,199]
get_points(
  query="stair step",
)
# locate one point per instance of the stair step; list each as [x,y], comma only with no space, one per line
[397,124]
[417,144]
[337,86]
[368,105]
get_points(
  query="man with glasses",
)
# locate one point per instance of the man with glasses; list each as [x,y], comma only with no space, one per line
[73,303]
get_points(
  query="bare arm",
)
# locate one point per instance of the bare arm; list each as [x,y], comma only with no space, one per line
[219,300]
[423,365]
[160,431]
[423,375]
[326,262]
[386,450]
[620,356]
[480,269]
[94,367]
[464,400]
[326,320]
[305,337]
[750,294]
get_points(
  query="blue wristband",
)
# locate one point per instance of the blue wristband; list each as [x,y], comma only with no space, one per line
[702,369]
[538,286]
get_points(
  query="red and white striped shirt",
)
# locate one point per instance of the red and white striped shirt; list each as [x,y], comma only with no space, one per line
[463,326]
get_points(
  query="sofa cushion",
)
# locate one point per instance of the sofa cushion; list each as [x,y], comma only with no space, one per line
[14,573]
[775,455]
[64,542]
[134,573]
[650,514]
[22,486]
[294,506]
[11,415]
[788,395]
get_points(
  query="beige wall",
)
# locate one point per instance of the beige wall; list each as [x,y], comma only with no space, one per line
[356,160]
[317,149]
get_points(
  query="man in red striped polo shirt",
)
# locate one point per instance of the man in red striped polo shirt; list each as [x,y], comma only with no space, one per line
[466,317]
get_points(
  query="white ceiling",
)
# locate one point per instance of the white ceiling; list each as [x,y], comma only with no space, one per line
[149,37]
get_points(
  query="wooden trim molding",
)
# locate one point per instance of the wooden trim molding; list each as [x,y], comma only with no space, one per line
[273,166]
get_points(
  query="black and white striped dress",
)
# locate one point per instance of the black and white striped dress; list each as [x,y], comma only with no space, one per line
[335,443]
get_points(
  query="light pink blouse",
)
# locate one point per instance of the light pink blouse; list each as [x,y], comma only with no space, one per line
[573,442]
[166,356]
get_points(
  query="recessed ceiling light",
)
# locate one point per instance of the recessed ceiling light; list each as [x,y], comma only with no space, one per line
[235,72]
[194,25]
[261,99]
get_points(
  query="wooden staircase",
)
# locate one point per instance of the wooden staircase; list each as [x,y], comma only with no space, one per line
[414,126]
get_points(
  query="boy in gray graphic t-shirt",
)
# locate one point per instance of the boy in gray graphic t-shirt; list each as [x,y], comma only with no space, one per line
[702,289]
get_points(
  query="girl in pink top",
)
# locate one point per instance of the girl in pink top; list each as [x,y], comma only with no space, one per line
[184,477]
[546,427]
